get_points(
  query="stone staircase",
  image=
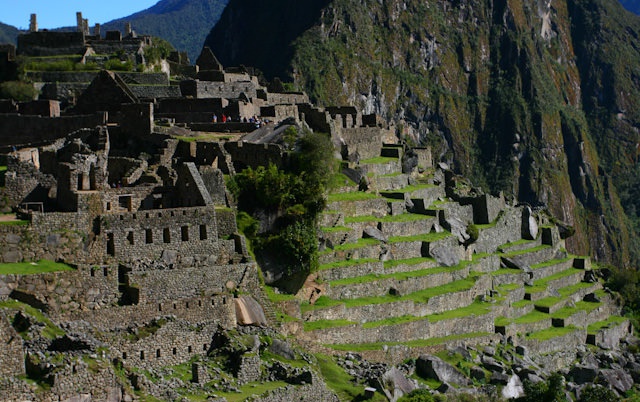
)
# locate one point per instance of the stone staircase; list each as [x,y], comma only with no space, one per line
[397,271]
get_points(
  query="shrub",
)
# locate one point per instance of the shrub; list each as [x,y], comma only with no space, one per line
[17,90]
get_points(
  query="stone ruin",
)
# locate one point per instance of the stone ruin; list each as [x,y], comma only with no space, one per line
[120,183]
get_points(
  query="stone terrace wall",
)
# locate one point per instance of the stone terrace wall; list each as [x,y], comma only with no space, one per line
[287,98]
[364,141]
[174,343]
[224,90]
[168,286]
[34,130]
[29,243]
[155,91]
[51,43]
[77,380]
[507,229]
[218,308]
[67,291]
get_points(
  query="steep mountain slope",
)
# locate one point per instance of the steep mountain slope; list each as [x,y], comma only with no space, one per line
[184,23]
[8,34]
[523,96]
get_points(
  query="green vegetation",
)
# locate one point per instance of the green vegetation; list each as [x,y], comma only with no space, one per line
[17,90]
[408,217]
[425,237]
[295,197]
[399,276]
[324,324]
[351,196]
[417,343]
[409,261]
[552,390]
[609,322]
[30,268]
[347,263]
[337,380]
[378,160]
[550,333]
[50,331]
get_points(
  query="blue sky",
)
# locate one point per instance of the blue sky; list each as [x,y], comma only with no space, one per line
[59,13]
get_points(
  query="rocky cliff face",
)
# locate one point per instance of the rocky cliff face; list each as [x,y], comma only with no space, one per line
[534,98]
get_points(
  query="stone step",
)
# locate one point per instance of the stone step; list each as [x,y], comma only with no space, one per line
[608,333]
[406,224]
[393,181]
[338,235]
[519,245]
[505,276]
[424,245]
[532,256]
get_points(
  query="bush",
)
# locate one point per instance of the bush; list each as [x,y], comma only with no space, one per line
[592,393]
[17,90]
[417,395]
[117,65]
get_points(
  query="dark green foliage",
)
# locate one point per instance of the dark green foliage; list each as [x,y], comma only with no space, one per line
[17,90]
[591,393]
[418,395]
[627,283]
[184,23]
[473,232]
[118,65]
[161,49]
[294,197]
[550,391]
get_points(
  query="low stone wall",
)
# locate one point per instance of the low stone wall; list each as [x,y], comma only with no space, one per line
[381,169]
[486,264]
[77,381]
[363,141]
[375,207]
[390,182]
[409,228]
[543,272]
[359,253]
[25,243]
[315,392]
[538,256]
[352,271]
[609,338]
[570,341]
[401,287]
[514,329]
[515,312]
[578,319]
[516,277]
[565,281]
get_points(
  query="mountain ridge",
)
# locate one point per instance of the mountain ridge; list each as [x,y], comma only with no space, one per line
[498,90]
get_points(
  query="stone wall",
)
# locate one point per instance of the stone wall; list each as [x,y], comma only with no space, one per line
[21,130]
[570,341]
[366,142]
[155,91]
[29,243]
[287,98]
[170,285]
[278,113]
[224,90]
[11,358]
[87,288]
[151,234]
[609,338]
[46,43]
[245,154]
[218,308]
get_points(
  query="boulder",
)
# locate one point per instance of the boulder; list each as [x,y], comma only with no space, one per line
[513,389]
[434,367]
[529,224]
[169,256]
[499,378]
[458,228]
[375,233]
[445,256]
[492,364]
[616,379]
[583,374]
[249,311]
[283,349]
[397,383]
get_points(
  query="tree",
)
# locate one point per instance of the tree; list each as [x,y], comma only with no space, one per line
[593,393]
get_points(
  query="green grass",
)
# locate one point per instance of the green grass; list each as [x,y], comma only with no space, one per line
[550,263]
[335,229]
[571,289]
[416,343]
[513,244]
[277,297]
[399,276]
[50,331]
[506,271]
[475,308]
[562,274]
[550,333]
[421,296]
[378,160]
[521,303]
[508,287]
[361,243]
[408,217]
[424,237]
[526,251]
[608,323]
[252,388]
[353,196]
[19,222]
[347,263]
[339,180]
[30,268]
[337,379]
[324,324]
[534,316]
[549,302]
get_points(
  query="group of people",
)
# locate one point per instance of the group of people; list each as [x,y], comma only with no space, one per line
[253,120]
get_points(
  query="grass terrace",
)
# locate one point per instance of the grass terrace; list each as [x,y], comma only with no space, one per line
[567,312]
[608,323]
[361,243]
[324,324]
[378,160]
[352,196]
[410,188]
[424,237]
[408,217]
[545,281]
[31,268]
[335,229]
[550,333]
[526,251]
[409,261]
[418,343]
[400,276]
[550,263]
[346,263]
[421,296]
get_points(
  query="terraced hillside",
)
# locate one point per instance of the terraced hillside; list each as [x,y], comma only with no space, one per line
[422,261]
